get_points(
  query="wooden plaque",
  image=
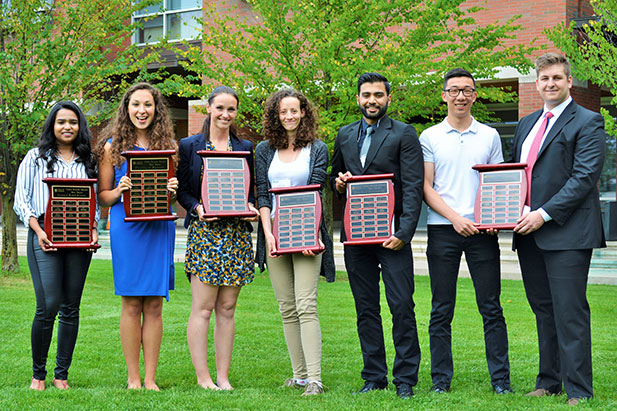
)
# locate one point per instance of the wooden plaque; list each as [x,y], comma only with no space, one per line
[297,218]
[226,183]
[501,195]
[149,198]
[69,217]
[369,209]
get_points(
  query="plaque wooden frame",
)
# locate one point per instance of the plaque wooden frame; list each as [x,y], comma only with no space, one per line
[357,215]
[218,196]
[285,215]
[500,199]
[148,199]
[71,208]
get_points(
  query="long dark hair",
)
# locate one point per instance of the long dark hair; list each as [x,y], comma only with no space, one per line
[205,131]
[48,146]
[122,130]
[274,131]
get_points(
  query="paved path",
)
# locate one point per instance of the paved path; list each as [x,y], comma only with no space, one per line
[603,264]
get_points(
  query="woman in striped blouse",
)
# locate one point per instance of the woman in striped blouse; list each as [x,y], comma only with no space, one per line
[58,275]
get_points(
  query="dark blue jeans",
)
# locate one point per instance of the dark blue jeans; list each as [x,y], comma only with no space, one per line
[58,278]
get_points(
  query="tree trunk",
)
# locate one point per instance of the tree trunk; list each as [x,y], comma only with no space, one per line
[10,265]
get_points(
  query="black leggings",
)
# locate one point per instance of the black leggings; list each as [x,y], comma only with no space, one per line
[58,278]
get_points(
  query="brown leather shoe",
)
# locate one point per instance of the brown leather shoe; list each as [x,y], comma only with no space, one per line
[539,392]
[573,401]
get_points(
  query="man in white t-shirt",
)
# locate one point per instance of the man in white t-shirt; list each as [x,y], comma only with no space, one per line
[450,150]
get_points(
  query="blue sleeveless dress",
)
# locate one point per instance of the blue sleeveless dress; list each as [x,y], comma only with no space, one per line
[142,252]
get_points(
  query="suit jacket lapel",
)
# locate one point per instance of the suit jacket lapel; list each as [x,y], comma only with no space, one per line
[199,144]
[351,146]
[564,118]
[524,132]
[377,140]
[236,144]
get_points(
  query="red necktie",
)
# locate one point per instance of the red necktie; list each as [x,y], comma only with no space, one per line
[533,153]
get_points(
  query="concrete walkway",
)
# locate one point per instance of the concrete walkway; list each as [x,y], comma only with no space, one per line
[603,264]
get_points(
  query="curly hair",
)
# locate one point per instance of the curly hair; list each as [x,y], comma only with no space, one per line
[205,131]
[48,145]
[273,129]
[122,131]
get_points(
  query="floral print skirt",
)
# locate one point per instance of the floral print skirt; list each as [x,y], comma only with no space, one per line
[220,253]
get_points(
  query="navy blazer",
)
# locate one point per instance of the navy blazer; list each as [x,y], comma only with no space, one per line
[564,178]
[189,171]
[394,148]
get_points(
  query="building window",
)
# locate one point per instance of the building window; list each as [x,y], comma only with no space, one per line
[175,19]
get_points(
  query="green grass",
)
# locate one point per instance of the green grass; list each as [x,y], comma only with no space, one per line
[260,363]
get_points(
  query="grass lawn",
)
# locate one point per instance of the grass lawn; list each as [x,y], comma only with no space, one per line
[260,363]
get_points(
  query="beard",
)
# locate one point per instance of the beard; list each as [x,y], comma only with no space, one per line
[382,112]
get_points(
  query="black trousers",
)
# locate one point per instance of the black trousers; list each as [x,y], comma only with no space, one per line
[556,287]
[444,251]
[58,278]
[364,264]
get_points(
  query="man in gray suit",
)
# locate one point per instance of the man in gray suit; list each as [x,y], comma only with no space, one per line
[564,147]
[377,144]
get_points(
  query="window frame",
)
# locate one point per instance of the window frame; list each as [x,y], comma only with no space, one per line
[163,12]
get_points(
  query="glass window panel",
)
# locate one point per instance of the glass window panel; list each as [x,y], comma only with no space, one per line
[183,4]
[151,32]
[155,8]
[184,25]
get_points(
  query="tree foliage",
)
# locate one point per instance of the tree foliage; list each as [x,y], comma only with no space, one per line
[593,52]
[52,50]
[321,47]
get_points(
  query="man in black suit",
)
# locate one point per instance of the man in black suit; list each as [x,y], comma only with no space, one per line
[564,147]
[377,144]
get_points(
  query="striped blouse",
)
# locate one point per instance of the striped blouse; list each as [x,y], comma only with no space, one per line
[32,194]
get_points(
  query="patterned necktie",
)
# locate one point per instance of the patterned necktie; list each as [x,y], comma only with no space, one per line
[365,143]
[533,153]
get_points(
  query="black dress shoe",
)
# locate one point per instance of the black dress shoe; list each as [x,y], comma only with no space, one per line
[440,389]
[503,389]
[370,386]
[404,391]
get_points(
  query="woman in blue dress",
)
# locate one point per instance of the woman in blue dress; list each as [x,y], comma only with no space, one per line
[219,252]
[142,252]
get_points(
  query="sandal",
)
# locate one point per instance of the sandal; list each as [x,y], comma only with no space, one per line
[61,384]
[37,385]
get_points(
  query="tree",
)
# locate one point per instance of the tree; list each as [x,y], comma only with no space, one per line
[320,47]
[49,51]
[593,52]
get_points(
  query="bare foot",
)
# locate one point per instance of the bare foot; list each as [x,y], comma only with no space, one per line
[134,385]
[37,385]
[208,385]
[151,386]
[224,385]
[61,384]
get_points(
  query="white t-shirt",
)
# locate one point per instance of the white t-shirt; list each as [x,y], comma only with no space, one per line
[292,174]
[454,153]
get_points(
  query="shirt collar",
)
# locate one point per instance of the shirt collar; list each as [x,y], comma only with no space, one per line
[559,109]
[364,125]
[473,127]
